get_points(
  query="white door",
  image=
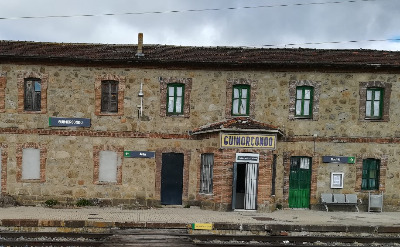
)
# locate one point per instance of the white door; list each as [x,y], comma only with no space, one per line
[250,202]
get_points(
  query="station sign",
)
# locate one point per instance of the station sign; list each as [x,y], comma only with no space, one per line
[247,158]
[338,159]
[248,141]
[139,154]
[69,122]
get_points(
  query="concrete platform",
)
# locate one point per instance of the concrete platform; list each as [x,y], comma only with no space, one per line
[166,217]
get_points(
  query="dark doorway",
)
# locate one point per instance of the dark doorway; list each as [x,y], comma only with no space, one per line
[244,187]
[171,179]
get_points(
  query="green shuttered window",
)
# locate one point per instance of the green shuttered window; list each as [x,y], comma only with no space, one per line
[304,101]
[374,103]
[175,98]
[240,100]
[370,174]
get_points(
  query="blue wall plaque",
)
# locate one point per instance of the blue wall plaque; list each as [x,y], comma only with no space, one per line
[69,122]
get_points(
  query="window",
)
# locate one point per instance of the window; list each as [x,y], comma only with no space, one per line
[370,174]
[240,100]
[109,96]
[304,100]
[32,94]
[108,166]
[31,163]
[374,103]
[207,163]
[175,99]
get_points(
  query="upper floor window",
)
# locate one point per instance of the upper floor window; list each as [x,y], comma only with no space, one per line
[304,101]
[32,94]
[109,96]
[374,103]
[370,174]
[175,98]
[240,100]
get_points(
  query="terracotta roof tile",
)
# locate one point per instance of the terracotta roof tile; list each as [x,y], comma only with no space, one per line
[238,56]
[236,124]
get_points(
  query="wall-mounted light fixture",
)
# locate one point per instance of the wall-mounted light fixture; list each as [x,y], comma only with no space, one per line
[140,95]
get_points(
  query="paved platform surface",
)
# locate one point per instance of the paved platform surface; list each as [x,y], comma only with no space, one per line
[196,215]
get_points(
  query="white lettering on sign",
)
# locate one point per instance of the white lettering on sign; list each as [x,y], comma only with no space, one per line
[142,154]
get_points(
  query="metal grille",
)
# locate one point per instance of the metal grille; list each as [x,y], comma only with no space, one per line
[207,163]
[251,186]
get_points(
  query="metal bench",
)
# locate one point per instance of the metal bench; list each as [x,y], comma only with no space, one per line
[339,199]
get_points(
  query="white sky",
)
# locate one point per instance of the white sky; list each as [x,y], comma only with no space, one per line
[357,20]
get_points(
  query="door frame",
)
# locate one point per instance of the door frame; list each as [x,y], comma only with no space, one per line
[178,186]
[158,161]
[310,169]
[234,185]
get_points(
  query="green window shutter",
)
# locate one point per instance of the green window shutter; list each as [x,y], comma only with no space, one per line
[175,98]
[240,100]
[304,101]
[370,174]
[374,103]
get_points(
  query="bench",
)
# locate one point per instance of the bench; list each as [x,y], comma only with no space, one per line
[339,199]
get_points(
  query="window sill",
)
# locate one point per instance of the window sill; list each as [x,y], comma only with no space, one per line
[206,194]
[303,118]
[31,181]
[107,183]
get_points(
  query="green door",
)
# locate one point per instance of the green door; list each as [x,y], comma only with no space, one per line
[299,182]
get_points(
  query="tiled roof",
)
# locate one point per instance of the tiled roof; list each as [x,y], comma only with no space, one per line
[167,54]
[236,124]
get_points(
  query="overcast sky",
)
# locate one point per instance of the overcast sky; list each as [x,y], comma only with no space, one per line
[356,20]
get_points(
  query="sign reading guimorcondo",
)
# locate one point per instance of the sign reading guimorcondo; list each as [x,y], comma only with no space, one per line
[248,141]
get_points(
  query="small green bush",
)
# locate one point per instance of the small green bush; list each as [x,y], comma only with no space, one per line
[84,202]
[50,203]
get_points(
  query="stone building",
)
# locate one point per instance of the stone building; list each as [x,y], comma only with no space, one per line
[220,127]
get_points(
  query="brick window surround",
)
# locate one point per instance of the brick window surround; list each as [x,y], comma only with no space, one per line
[187,82]
[315,101]
[121,89]
[44,78]
[229,87]
[387,90]
[96,160]
[3,82]
[314,173]
[382,170]
[186,162]
[4,157]
[43,155]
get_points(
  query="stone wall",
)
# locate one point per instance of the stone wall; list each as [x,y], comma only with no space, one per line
[338,130]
